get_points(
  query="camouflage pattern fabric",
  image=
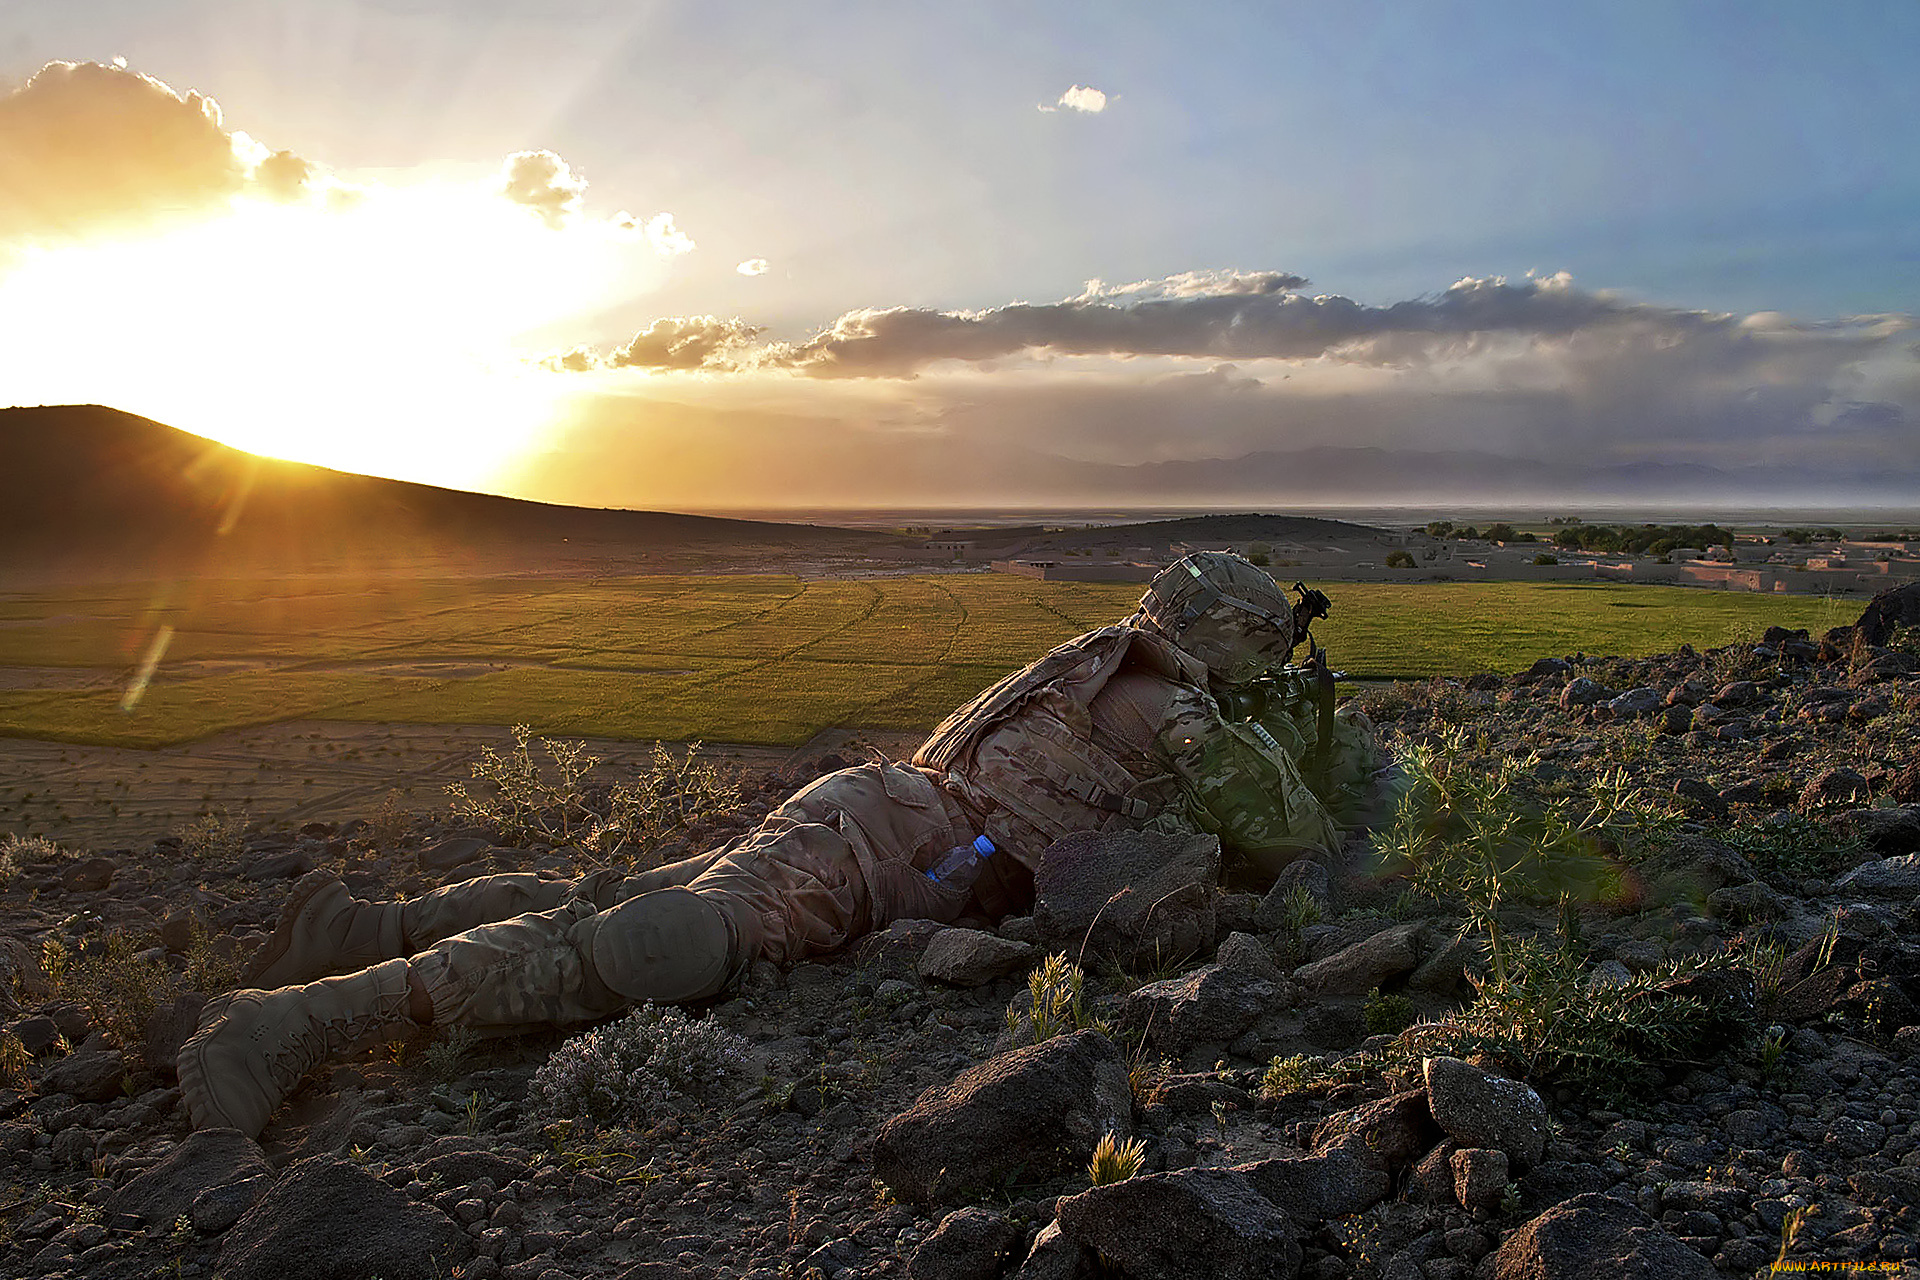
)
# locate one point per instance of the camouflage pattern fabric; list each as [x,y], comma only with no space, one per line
[1242,785]
[843,856]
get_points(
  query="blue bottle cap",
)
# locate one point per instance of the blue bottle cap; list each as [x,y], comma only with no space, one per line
[983,846]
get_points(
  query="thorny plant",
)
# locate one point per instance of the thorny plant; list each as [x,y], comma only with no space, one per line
[120,984]
[18,852]
[674,793]
[1546,1022]
[1290,1075]
[1477,835]
[214,837]
[1793,845]
[524,799]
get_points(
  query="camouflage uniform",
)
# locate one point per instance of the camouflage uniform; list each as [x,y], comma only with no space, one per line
[1113,729]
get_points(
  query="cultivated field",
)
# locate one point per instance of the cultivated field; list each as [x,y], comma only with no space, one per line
[761,659]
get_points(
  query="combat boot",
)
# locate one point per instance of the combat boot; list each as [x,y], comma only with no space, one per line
[324,930]
[253,1047]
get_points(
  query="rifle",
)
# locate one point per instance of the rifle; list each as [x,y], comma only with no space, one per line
[1312,678]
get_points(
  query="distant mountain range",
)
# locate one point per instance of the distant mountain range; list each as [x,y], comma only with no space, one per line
[1373,475]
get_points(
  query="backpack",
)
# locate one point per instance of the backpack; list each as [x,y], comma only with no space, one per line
[1021,755]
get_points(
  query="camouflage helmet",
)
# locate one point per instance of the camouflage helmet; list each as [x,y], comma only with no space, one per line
[1224,611]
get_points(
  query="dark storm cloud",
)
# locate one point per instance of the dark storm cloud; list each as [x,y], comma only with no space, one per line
[1224,317]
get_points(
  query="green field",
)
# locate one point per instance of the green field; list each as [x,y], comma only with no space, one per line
[762,659]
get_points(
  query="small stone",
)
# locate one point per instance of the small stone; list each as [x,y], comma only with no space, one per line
[1366,964]
[973,958]
[1479,1178]
[1479,1109]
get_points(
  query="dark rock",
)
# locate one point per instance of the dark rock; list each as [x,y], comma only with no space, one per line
[285,865]
[1693,866]
[325,1218]
[90,1077]
[39,1035]
[1332,1026]
[1446,969]
[1835,785]
[1366,964]
[1730,1001]
[167,1028]
[1582,692]
[1595,1237]
[1214,1003]
[969,1244]
[1248,954]
[217,1208]
[206,1159]
[1317,1189]
[1887,832]
[1479,1178]
[1642,701]
[1137,897]
[1556,1180]
[454,851]
[1037,1110]
[1055,1257]
[1700,798]
[1546,669]
[1886,613]
[1385,1134]
[1748,903]
[1198,1094]
[181,926]
[1302,874]
[1193,1224]
[458,1168]
[1430,1180]
[973,957]
[1480,1109]
[1894,877]
[87,875]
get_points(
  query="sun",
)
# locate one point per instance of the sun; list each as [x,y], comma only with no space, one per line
[383,329]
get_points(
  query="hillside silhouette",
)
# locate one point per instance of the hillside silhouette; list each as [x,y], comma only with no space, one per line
[91,490]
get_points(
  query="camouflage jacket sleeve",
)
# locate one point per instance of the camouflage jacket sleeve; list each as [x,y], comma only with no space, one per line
[1242,785]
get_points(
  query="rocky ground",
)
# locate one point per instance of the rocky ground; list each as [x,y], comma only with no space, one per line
[896,1121]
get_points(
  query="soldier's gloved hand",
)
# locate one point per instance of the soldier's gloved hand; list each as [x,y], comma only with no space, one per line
[905,893]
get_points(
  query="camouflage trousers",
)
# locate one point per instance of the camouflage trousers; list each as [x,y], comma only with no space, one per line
[841,857]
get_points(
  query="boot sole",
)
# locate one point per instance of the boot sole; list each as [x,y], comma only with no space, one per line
[275,948]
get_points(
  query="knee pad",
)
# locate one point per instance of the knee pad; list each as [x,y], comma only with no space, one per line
[669,946]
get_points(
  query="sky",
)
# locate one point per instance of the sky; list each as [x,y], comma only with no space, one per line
[708,256]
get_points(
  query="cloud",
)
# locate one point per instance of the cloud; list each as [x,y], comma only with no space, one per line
[753,267]
[671,343]
[1220,316]
[86,146]
[1082,98]
[544,183]
[1225,386]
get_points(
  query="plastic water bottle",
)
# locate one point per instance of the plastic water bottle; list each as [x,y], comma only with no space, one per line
[961,866]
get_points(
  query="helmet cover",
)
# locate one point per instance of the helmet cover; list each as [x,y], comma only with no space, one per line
[1223,610]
